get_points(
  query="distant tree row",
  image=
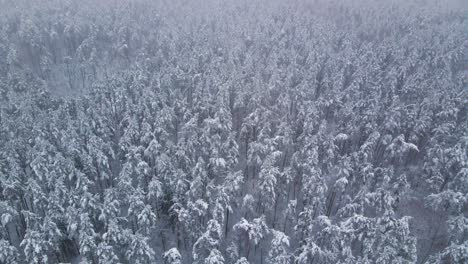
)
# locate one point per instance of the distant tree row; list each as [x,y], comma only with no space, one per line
[282,132]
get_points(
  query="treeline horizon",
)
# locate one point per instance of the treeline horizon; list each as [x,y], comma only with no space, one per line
[234,132]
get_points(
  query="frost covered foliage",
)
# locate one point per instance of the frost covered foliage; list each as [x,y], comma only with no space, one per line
[222,132]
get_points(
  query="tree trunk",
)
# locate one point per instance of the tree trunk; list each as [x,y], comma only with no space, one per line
[227,223]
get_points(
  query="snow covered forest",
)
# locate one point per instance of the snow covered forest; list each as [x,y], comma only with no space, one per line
[234,132]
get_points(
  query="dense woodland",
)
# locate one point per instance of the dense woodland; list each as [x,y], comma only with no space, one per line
[233,132]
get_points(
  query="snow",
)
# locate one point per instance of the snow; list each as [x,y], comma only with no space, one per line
[233,131]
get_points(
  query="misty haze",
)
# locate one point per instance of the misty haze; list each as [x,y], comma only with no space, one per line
[234,131]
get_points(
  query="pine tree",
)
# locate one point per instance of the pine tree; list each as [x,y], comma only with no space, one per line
[215,257]
[172,256]
[8,253]
[106,254]
[208,241]
[34,248]
[87,238]
[268,180]
[139,251]
[278,253]
[242,261]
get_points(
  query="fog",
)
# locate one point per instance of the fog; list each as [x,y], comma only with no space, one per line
[234,132]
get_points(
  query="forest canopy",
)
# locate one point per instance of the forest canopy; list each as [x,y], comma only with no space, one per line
[233,132]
